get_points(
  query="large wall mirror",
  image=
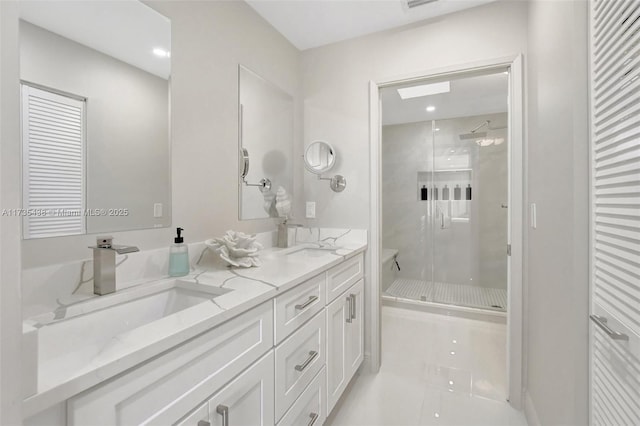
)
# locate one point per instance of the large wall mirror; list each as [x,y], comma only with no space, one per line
[265,145]
[95,81]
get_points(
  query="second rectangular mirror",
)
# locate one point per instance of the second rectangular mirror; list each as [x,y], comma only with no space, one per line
[265,146]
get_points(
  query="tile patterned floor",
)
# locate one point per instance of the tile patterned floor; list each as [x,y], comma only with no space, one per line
[436,370]
[450,294]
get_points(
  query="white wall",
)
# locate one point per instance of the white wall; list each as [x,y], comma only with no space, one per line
[10,292]
[335,78]
[557,276]
[209,40]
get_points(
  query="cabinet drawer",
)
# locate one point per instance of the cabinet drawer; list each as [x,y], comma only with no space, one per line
[298,360]
[309,409]
[164,389]
[248,399]
[341,277]
[297,306]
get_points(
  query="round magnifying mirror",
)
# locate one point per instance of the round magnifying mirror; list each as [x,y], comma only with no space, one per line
[319,157]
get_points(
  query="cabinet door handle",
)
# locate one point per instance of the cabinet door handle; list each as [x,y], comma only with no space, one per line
[314,417]
[307,303]
[204,423]
[602,323]
[223,410]
[305,364]
[352,298]
[349,309]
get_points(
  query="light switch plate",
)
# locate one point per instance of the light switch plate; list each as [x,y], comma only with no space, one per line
[311,210]
[157,210]
[532,217]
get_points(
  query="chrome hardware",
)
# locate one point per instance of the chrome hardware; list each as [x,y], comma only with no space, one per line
[223,410]
[283,233]
[305,364]
[204,423]
[264,184]
[602,323]
[307,303]
[104,264]
[352,308]
[314,417]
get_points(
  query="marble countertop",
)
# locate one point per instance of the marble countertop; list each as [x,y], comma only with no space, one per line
[250,287]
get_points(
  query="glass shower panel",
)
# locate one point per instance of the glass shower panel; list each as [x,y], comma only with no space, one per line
[469,232]
[407,211]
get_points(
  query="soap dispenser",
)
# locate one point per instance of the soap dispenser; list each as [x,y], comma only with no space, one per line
[178,256]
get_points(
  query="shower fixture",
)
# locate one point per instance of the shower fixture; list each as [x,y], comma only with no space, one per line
[481,138]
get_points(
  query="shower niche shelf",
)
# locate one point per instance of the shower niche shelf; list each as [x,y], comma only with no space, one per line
[439,181]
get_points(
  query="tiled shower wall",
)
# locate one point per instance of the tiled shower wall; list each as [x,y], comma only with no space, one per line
[464,252]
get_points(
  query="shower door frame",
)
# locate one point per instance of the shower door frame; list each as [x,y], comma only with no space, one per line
[516,218]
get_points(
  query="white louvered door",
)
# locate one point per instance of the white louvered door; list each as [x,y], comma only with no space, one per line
[615,221]
[53,148]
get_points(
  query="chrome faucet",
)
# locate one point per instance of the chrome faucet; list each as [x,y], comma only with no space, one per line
[283,233]
[104,264]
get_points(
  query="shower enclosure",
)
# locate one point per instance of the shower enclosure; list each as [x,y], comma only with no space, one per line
[445,192]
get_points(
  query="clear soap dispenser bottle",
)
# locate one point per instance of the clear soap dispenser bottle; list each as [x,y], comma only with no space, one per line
[178,256]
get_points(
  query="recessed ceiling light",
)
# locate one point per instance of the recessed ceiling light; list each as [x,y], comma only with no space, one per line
[437,129]
[424,90]
[161,52]
[430,108]
[452,151]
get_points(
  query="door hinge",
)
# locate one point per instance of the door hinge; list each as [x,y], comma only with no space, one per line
[508,249]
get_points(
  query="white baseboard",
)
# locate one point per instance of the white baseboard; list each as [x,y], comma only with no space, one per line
[530,411]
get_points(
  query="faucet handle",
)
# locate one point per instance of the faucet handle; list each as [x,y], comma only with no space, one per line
[104,241]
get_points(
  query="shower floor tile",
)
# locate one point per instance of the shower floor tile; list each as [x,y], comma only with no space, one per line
[450,294]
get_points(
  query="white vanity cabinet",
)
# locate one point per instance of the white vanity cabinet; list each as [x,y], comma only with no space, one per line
[284,362]
[169,386]
[246,401]
[345,340]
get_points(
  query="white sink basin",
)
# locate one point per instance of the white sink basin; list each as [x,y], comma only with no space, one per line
[73,337]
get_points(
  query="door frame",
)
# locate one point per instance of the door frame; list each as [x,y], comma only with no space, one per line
[516,202]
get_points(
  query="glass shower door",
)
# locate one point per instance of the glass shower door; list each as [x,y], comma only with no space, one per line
[469,229]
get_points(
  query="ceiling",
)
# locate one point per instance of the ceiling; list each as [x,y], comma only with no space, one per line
[485,94]
[127,30]
[313,23]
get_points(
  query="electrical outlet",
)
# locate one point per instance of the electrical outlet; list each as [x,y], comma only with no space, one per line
[157,210]
[311,210]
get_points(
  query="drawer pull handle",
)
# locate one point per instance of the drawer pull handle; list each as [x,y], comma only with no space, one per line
[223,410]
[602,323]
[305,364]
[352,298]
[314,417]
[349,310]
[307,303]
[203,423]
